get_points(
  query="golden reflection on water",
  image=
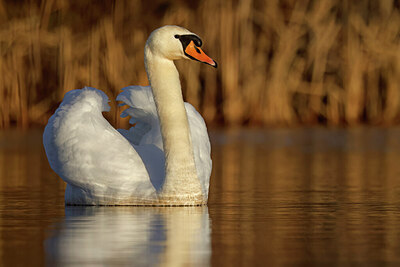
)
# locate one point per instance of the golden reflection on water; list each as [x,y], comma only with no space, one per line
[306,196]
[139,236]
[301,197]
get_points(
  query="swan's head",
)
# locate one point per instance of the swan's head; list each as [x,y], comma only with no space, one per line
[174,42]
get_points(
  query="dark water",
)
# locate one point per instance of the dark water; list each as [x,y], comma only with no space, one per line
[304,197]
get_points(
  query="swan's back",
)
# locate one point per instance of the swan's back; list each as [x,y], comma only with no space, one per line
[90,155]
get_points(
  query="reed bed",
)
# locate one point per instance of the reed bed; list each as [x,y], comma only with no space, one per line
[280,62]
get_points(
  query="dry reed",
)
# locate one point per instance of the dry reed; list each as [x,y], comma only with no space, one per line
[280,62]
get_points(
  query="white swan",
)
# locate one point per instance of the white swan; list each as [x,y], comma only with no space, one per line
[163,160]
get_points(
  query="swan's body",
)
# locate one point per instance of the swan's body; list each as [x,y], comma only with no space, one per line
[163,160]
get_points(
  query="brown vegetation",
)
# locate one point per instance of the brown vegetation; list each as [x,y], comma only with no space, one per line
[280,61]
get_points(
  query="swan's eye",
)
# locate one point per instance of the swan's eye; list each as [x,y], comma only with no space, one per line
[177,36]
[197,41]
[187,38]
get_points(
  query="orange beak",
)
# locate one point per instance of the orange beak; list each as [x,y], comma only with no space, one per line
[194,52]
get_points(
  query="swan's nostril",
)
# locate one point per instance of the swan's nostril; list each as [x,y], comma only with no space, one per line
[197,50]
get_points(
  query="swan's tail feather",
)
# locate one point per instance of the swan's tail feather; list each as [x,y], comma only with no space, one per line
[142,111]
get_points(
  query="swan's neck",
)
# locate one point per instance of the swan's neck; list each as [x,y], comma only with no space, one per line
[181,181]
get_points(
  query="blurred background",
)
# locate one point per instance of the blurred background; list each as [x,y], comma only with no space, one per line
[281,62]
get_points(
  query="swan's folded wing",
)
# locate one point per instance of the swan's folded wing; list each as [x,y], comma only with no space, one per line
[143,113]
[140,97]
[87,152]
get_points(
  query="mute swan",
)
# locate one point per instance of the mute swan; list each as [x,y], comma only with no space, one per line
[163,160]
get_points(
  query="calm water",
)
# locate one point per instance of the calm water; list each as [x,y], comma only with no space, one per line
[304,197]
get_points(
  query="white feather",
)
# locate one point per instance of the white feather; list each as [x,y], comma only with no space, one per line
[88,153]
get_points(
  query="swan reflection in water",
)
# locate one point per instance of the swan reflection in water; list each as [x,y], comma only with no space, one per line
[171,236]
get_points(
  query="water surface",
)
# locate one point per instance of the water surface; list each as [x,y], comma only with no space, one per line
[302,197]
